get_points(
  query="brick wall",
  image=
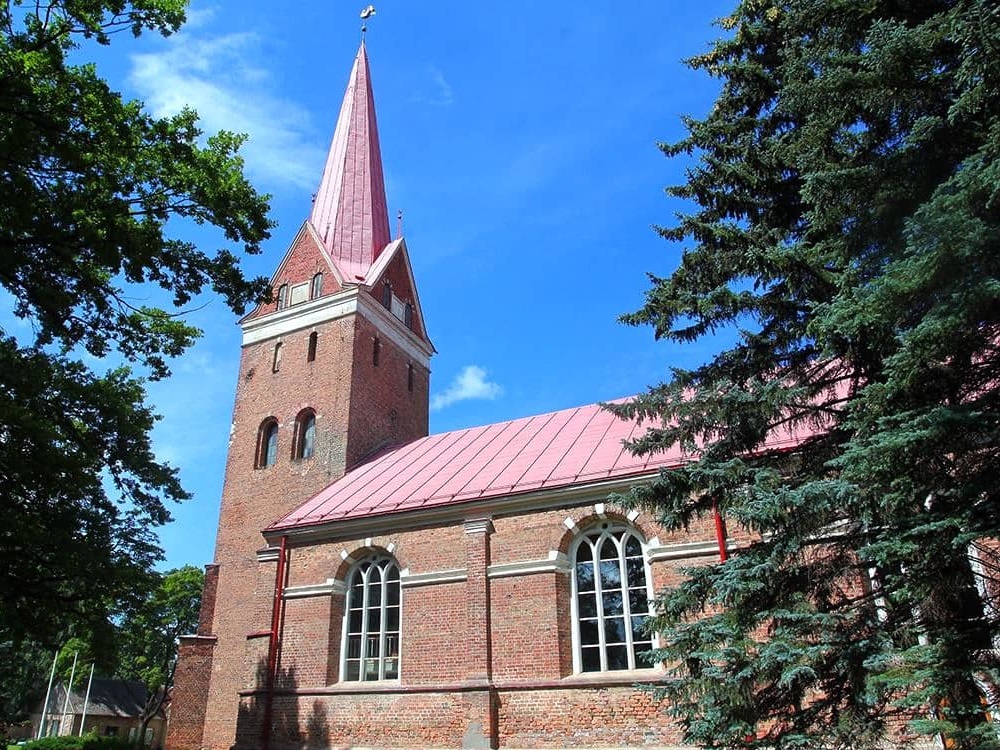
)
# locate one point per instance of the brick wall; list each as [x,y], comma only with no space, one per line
[358,408]
[458,687]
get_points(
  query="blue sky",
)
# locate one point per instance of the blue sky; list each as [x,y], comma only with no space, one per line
[519,140]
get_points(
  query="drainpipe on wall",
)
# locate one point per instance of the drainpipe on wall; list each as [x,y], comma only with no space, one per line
[277,610]
[720,532]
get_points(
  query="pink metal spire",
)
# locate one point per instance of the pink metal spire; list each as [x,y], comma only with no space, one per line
[349,212]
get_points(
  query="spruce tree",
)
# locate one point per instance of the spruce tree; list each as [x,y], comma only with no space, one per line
[844,220]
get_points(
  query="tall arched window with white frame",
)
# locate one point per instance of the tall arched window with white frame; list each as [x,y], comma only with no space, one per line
[371,625]
[611,595]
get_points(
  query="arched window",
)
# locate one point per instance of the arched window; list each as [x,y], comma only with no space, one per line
[283,296]
[387,295]
[305,435]
[317,286]
[371,625]
[611,596]
[267,443]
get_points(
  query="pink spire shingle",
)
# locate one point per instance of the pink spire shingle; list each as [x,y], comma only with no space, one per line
[349,212]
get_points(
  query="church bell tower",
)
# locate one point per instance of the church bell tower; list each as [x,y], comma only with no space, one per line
[333,370]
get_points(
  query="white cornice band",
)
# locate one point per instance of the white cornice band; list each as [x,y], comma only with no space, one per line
[556,562]
[331,587]
[455,575]
[685,550]
[332,307]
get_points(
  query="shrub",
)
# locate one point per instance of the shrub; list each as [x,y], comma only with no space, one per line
[86,742]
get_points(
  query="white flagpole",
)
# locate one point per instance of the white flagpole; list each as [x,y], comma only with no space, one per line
[69,690]
[48,692]
[86,700]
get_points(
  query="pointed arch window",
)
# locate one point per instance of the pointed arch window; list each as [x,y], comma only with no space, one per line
[387,295]
[267,443]
[316,289]
[305,435]
[371,625]
[611,595]
[283,296]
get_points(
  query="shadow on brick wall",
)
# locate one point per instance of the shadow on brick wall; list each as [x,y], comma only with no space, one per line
[286,730]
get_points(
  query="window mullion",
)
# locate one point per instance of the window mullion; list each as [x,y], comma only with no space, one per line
[382,624]
[626,605]
[365,590]
[602,640]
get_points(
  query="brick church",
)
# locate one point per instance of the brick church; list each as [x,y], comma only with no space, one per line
[375,586]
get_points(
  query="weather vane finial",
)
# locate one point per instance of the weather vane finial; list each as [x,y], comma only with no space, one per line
[365,15]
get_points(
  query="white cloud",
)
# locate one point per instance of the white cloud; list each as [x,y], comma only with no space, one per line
[432,88]
[470,383]
[445,93]
[222,78]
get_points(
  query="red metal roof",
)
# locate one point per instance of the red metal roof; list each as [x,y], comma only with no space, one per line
[576,446]
[547,451]
[349,212]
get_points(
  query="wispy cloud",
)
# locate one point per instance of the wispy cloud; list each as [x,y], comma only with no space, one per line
[221,77]
[433,88]
[445,93]
[471,383]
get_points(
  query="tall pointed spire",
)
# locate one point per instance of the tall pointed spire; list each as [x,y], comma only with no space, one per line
[349,212]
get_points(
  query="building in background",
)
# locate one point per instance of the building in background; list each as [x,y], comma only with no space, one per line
[112,708]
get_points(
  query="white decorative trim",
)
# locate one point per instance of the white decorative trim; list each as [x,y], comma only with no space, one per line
[391,548]
[455,575]
[556,562]
[368,542]
[346,557]
[599,510]
[479,526]
[685,550]
[304,315]
[632,515]
[570,524]
[333,307]
[268,554]
[332,586]
[413,346]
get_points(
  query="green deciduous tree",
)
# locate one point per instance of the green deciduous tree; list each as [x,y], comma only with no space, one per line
[148,636]
[846,222]
[91,192]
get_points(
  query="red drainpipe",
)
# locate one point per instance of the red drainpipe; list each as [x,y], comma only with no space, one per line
[277,610]
[720,532]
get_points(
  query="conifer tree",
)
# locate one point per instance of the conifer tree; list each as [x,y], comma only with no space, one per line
[844,219]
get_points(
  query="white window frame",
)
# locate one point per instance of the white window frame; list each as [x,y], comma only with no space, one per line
[609,530]
[384,563]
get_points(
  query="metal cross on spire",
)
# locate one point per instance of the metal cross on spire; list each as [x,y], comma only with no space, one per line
[365,15]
